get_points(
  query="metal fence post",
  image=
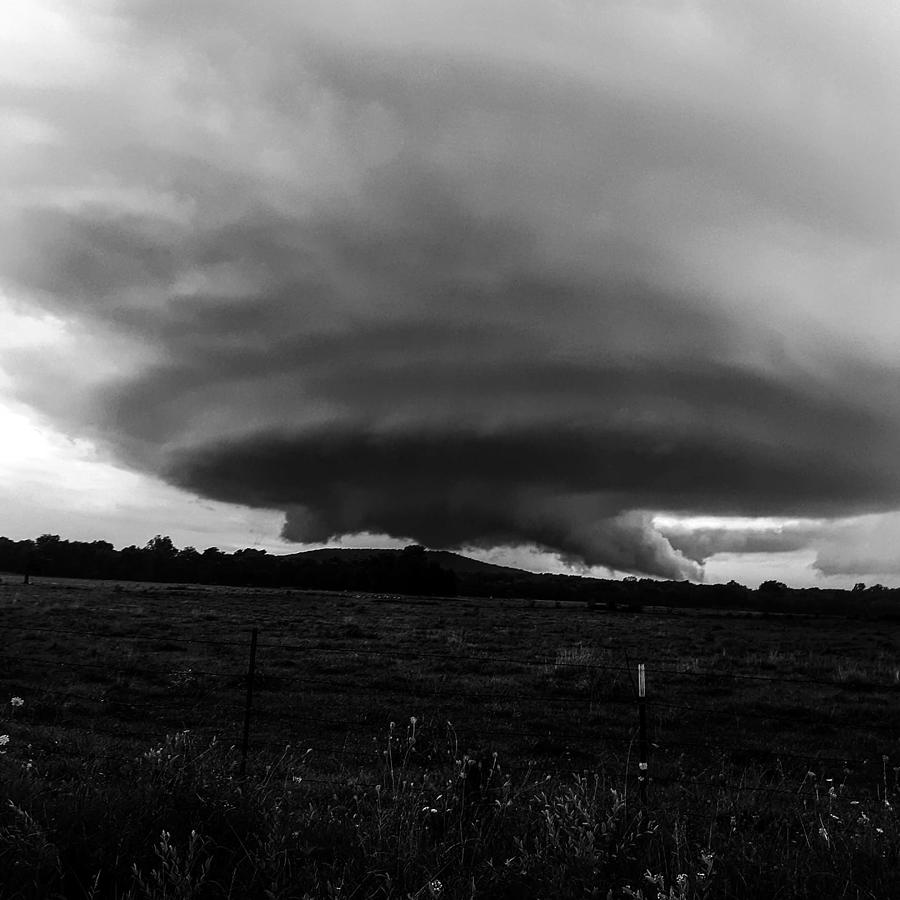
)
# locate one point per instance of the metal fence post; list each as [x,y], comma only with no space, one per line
[251,669]
[642,738]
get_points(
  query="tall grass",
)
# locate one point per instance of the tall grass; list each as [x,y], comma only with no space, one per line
[176,822]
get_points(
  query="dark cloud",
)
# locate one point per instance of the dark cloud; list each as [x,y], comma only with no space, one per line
[470,280]
[446,489]
[569,490]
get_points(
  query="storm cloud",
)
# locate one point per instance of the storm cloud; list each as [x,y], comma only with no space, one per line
[700,544]
[475,273]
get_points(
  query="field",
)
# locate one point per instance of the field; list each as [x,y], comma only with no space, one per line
[416,747]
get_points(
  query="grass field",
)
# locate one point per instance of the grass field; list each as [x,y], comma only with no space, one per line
[416,747]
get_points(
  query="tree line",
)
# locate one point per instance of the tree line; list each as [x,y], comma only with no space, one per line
[407,571]
[417,571]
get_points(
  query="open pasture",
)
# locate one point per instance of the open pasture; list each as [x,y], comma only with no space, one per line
[352,691]
[533,682]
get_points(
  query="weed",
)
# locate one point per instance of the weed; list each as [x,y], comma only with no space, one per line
[179,875]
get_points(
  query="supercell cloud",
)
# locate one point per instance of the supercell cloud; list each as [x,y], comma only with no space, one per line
[474,274]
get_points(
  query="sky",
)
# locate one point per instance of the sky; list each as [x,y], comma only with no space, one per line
[600,287]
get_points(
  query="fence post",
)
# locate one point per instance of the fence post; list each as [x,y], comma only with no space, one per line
[642,738]
[251,669]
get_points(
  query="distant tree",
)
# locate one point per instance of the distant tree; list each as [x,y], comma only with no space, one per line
[49,554]
[859,587]
[160,555]
[134,563]
[772,587]
[161,545]
[414,552]
[188,558]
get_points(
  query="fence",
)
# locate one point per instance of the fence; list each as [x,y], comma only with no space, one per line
[111,691]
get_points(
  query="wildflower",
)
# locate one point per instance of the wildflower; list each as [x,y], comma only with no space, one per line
[4,740]
[16,702]
[708,859]
[435,887]
[297,779]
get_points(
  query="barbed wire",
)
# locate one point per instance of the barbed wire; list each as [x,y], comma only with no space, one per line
[779,679]
[111,701]
[550,732]
[545,662]
[107,667]
[73,632]
[95,728]
[542,662]
[463,695]
[810,794]
[750,750]
[754,714]
[588,735]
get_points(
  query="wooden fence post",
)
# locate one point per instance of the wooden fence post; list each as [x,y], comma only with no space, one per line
[642,737]
[251,669]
